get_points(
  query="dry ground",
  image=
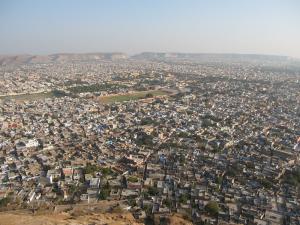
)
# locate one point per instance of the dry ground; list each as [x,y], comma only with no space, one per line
[67,219]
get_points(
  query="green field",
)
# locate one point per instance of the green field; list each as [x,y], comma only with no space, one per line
[104,99]
[131,96]
[95,88]
[34,96]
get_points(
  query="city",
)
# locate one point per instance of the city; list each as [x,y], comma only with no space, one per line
[214,142]
[149,112]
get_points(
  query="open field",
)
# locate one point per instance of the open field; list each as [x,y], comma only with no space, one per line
[33,96]
[104,99]
[131,96]
[29,97]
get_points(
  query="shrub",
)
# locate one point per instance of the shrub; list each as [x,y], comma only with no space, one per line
[212,208]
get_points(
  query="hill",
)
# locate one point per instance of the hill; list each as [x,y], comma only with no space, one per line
[208,57]
[59,58]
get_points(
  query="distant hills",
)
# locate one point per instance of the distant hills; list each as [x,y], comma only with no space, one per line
[59,58]
[148,56]
[206,57]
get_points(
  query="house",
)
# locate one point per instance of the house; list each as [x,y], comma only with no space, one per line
[31,196]
[77,174]
[94,183]
[54,175]
[127,193]
[68,174]
[273,217]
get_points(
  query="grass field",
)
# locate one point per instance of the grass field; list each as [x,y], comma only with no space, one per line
[34,96]
[130,96]
[104,99]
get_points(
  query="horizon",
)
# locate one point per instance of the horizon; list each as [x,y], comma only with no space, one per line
[149,112]
[143,52]
[267,27]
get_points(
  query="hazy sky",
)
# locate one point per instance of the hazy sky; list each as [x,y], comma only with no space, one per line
[231,26]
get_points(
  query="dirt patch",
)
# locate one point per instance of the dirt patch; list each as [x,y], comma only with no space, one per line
[67,219]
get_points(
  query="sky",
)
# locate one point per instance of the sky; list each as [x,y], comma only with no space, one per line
[133,26]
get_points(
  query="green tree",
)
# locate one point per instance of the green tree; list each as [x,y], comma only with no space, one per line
[183,198]
[105,192]
[167,202]
[212,208]
[132,179]
[106,171]
[89,168]
[149,95]
[153,191]
[4,202]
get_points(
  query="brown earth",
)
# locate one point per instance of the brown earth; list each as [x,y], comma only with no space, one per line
[67,219]
[99,213]
[178,220]
[70,219]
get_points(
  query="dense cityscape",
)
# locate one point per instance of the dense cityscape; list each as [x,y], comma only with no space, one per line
[213,138]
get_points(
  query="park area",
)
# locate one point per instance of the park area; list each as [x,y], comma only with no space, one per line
[33,96]
[131,96]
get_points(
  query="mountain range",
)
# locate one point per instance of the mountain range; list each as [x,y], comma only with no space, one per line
[59,58]
[148,56]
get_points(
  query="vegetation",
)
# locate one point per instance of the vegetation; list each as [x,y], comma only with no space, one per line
[153,191]
[145,194]
[219,180]
[167,202]
[89,168]
[58,93]
[182,159]
[183,198]
[266,183]
[164,220]
[117,209]
[234,170]
[149,95]
[132,202]
[4,202]
[183,135]
[292,177]
[35,96]
[94,88]
[132,179]
[212,208]
[144,139]
[149,220]
[72,82]
[92,168]
[131,96]
[152,82]
[72,189]
[106,171]
[105,192]
[147,121]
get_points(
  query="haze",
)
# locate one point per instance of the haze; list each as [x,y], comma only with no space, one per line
[256,26]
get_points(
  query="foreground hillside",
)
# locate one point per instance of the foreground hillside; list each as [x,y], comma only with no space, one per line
[68,219]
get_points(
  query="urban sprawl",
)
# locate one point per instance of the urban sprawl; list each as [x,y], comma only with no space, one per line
[216,141]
